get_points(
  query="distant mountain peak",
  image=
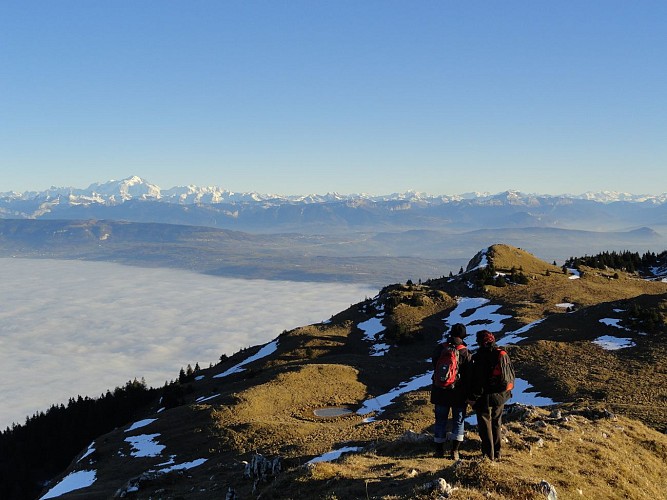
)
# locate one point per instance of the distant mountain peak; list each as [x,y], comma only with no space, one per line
[135,186]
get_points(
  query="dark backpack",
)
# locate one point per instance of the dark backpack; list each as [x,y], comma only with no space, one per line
[447,367]
[502,375]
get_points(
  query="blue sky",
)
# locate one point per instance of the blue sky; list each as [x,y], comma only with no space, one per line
[297,97]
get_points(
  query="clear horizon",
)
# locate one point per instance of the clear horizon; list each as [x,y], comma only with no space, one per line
[313,97]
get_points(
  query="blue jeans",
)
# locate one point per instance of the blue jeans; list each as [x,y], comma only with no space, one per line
[441,419]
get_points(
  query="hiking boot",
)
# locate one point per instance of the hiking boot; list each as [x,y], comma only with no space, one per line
[454,455]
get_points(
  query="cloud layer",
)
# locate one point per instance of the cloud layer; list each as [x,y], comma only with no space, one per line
[71,328]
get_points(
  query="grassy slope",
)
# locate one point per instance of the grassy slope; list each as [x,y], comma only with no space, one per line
[269,408]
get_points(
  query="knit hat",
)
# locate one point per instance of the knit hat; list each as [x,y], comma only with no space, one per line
[485,338]
[458,330]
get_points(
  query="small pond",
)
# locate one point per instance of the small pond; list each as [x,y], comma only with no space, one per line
[332,411]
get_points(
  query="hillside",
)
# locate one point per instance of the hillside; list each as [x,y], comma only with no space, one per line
[605,439]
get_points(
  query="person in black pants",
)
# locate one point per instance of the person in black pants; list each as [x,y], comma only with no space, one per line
[486,394]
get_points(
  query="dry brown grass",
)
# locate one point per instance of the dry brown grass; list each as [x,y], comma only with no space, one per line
[268,408]
[581,457]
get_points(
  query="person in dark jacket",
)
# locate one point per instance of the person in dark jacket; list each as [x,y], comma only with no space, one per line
[451,398]
[487,398]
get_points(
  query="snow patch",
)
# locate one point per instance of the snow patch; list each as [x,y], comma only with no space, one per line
[269,348]
[610,343]
[89,451]
[614,322]
[333,455]
[520,394]
[184,465]
[141,423]
[518,335]
[204,398]
[483,314]
[144,445]
[74,481]
[372,328]
[379,403]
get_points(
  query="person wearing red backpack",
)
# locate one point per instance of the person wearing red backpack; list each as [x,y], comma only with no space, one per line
[491,383]
[451,361]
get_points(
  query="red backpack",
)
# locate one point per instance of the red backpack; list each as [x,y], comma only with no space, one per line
[447,367]
[502,376]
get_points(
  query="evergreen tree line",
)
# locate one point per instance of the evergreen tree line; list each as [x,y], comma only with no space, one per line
[40,449]
[624,261]
[647,319]
[488,276]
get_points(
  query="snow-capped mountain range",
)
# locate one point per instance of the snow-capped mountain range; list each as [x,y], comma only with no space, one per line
[137,200]
[134,187]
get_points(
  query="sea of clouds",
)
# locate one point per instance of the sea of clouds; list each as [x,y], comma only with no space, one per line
[71,328]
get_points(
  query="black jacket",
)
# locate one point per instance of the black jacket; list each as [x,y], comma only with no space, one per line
[480,388]
[455,396]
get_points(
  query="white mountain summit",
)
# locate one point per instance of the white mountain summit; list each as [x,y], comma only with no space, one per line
[135,187]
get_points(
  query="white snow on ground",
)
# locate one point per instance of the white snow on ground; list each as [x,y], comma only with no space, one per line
[333,455]
[74,481]
[380,349]
[200,377]
[269,348]
[613,343]
[483,314]
[565,305]
[144,445]
[468,310]
[171,465]
[371,328]
[475,309]
[378,403]
[141,423]
[520,394]
[484,262]
[184,466]
[204,398]
[517,335]
[575,274]
[614,322]
[89,451]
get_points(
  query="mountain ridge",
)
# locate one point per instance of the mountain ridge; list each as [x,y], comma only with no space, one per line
[136,200]
[135,186]
[369,359]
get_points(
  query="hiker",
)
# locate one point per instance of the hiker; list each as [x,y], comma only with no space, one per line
[448,391]
[491,383]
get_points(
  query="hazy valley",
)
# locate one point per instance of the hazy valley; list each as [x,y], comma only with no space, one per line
[353,238]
